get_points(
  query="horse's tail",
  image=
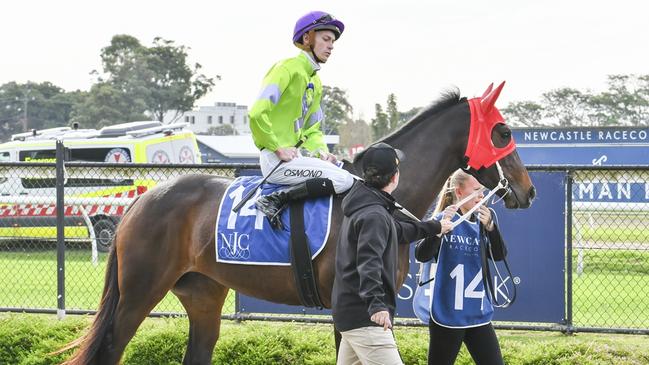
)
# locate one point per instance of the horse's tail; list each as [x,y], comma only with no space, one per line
[91,343]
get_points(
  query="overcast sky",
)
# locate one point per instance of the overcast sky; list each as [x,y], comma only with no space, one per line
[414,49]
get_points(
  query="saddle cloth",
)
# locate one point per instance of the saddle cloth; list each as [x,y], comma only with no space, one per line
[247,238]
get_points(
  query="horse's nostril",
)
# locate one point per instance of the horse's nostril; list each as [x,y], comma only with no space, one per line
[532,193]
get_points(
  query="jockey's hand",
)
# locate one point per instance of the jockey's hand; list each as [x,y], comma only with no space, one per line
[326,156]
[382,318]
[484,214]
[286,153]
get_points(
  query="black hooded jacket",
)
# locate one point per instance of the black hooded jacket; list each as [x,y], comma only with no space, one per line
[366,256]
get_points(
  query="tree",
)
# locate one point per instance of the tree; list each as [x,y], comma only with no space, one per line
[33,106]
[407,115]
[567,106]
[379,123]
[222,130]
[354,133]
[392,113]
[336,108]
[626,102]
[105,105]
[144,80]
[523,113]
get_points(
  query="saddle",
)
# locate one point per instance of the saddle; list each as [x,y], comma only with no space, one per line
[246,237]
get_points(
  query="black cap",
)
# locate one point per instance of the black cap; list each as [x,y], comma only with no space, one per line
[383,158]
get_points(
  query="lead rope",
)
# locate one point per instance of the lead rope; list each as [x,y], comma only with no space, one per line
[502,184]
[507,293]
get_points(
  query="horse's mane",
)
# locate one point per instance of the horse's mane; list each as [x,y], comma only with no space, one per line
[448,99]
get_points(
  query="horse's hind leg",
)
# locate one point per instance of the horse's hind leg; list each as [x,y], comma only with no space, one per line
[139,294]
[203,299]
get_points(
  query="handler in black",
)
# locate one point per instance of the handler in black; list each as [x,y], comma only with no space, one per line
[364,292]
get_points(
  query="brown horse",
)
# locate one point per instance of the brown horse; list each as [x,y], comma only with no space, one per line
[166,240]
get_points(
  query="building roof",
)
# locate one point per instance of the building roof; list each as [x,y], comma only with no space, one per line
[231,146]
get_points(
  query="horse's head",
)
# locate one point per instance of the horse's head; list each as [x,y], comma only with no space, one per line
[491,152]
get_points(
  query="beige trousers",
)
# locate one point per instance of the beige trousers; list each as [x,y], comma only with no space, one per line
[368,346]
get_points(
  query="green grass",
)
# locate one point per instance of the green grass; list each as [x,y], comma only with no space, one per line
[612,234]
[27,340]
[612,291]
[28,280]
[614,262]
[605,300]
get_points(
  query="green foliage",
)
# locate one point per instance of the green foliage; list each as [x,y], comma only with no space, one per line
[523,113]
[27,106]
[336,108]
[352,134]
[625,102]
[161,344]
[407,115]
[380,123]
[392,113]
[106,105]
[171,82]
[567,106]
[253,343]
[141,82]
[27,339]
[390,120]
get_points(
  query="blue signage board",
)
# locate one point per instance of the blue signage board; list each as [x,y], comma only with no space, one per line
[535,240]
[581,146]
[610,192]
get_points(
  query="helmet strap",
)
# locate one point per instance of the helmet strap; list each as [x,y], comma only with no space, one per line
[311,37]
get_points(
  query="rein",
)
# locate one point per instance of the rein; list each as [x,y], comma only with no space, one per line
[503,183]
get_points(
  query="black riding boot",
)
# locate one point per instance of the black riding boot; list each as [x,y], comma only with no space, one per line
[273,204]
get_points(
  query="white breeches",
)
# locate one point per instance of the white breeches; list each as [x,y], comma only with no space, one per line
[301,169]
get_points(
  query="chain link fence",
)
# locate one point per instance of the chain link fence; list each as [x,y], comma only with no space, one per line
[608,247]
[96,197]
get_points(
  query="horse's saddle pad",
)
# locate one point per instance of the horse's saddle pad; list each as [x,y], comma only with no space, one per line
[247,237]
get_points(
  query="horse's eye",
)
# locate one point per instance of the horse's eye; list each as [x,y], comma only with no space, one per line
[507,134]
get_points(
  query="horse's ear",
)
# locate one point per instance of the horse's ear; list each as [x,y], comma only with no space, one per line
[489,100]
[486,92]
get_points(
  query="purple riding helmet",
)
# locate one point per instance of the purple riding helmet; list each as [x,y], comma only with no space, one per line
[317,20]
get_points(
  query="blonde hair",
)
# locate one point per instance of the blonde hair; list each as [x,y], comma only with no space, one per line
[447,195]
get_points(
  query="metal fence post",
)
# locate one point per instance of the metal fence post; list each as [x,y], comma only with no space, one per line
[60,233]
[569,182]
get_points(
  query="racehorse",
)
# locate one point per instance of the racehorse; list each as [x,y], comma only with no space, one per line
[166,239]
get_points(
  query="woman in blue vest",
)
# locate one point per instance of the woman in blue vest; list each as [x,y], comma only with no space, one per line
[460,309]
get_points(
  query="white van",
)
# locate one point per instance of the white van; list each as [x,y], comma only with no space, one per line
[135,142]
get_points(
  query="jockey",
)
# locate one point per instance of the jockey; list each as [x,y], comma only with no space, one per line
[287,113]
